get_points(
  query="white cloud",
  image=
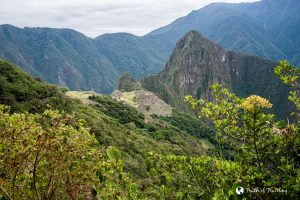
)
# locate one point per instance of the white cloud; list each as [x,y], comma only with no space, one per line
[95,17]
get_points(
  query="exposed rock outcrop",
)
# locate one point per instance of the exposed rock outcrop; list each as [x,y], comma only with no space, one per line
[196,63]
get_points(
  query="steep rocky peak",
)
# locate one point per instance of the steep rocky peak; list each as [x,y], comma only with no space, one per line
[196,63]
[196,57]
[194,39]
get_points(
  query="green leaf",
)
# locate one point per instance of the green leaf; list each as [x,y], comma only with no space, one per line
[112,152]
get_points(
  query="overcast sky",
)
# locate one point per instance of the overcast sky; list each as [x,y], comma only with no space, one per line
[95,17]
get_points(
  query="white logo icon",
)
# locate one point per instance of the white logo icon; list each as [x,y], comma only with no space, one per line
[239,190]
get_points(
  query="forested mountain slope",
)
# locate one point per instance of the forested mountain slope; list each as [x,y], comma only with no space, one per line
[196,63]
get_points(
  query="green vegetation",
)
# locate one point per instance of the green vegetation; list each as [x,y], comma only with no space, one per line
[52,156]
[124,113]
[118,125]
[128,84]
[24,93]
[186,177]
[190,124]
[106,150]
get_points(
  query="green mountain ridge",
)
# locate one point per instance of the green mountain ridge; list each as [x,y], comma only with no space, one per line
[196,63]
[68,58]
[129,53]
[60,56]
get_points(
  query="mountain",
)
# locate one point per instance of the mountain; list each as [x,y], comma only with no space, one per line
[60,56]
[68,58]
[129,53]
[196,63]
[267,28]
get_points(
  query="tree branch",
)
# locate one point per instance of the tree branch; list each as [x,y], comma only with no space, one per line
[5,193]
[34,177]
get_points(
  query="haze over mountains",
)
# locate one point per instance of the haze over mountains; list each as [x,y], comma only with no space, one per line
[267,28]
[62,56]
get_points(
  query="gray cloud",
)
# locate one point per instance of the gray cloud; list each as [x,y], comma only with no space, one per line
[95,17]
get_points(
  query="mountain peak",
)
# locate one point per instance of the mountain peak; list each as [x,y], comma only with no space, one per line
[193,33]
[193,37]
[196,63]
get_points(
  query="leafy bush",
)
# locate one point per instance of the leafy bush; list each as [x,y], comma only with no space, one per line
[190,124]
[51,156]
[268,156]
[184,177]
[124,113]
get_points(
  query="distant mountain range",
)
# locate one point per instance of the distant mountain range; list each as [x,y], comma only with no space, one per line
[268,28]
[60,56]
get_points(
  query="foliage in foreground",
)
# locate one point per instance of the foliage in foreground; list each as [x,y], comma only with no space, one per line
[264,153]
[51,156]
[184,177]
[269,157]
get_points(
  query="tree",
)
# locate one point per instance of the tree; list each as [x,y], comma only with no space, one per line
[202,177]
[269,156]
[240,124]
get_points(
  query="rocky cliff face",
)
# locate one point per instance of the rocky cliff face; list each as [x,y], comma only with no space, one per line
[196,63]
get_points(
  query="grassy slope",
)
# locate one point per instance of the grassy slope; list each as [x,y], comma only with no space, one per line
[135,140]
